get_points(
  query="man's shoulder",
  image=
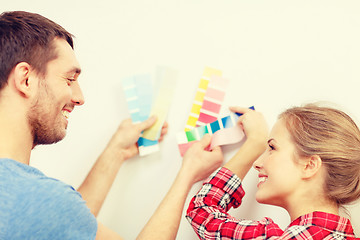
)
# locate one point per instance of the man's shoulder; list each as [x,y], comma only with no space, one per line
[33,202]
[20,182]
[13,168]
[18,179]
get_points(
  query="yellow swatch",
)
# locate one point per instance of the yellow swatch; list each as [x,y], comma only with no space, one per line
[208,72]
[203,84]
[166,79]
[196,109]
[199,97]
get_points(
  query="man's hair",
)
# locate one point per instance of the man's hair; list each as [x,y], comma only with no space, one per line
[28,37]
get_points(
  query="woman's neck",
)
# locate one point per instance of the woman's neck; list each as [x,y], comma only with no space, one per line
[302,207]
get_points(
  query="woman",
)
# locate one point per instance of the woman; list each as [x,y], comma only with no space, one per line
[311,168]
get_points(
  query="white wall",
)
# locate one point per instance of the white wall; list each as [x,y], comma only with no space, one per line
[276,54]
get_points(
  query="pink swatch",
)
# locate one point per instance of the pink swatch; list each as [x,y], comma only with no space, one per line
[185,146]
[219,82]
[216,94]
[210,106]
[227,136]
[205,118]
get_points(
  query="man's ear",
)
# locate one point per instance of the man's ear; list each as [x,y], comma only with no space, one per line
[22,79]
[311,167]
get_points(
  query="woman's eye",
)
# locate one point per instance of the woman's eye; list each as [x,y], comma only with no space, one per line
[271,147]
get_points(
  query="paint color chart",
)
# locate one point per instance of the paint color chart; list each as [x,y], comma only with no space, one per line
[200,97]
[213,99]
[224,130]
[166,82]
[142,103]
[138,93]
[204,114]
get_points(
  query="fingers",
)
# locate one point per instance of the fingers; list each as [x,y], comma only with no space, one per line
[199,146]
[126,122]
[205,141]
[147,123]
[165,125]
[245,114]
[218,152]
[200,162]
[240,109]
[217,149]
[164,128]
[164,131]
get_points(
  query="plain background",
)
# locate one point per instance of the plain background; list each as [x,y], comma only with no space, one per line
[276,54]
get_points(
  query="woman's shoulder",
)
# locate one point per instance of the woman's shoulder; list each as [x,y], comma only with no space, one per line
[321,225]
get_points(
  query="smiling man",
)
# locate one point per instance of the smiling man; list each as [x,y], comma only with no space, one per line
[39,89]
[56,96]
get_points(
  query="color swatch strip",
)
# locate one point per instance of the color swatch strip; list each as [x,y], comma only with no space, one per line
[224,131]
[166,80]
[199,96]
[138,93]
[213,100]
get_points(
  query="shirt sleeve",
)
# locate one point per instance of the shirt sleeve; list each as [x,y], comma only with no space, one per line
[48,209]
[207,212]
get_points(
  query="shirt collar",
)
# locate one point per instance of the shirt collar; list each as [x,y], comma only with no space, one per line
[327,221]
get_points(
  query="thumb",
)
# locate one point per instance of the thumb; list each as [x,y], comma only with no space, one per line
[148,123]
[205,141]
[217,150]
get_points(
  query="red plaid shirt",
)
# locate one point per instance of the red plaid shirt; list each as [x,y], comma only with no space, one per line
[207,213]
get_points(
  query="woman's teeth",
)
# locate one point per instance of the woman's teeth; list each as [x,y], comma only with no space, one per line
[262,179]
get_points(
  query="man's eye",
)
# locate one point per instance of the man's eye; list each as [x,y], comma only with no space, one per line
[70,80]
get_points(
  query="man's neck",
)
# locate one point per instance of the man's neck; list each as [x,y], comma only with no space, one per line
[16,140]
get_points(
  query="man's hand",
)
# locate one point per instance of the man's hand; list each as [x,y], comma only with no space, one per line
[122,146]
[123,142]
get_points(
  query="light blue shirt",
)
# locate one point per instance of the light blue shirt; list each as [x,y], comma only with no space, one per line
[34,206]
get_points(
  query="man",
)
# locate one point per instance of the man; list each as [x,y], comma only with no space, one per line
[39,89]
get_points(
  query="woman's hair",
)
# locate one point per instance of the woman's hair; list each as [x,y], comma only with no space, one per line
[28,37]
[334,137]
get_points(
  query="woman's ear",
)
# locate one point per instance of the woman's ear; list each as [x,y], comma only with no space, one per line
[22,79]
[311,167]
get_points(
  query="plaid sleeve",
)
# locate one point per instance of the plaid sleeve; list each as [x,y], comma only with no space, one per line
[207,212]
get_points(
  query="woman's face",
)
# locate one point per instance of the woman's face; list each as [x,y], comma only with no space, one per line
[279,172]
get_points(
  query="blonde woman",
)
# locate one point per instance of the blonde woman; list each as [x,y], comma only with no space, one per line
[310,166]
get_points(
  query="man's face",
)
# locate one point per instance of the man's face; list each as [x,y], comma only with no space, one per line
[58,93]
